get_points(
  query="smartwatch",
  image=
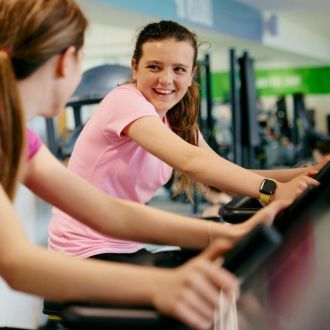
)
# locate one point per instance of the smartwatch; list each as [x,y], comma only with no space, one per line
[266,190]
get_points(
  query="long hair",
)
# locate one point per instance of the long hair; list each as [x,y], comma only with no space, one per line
[183,116]
[31,32]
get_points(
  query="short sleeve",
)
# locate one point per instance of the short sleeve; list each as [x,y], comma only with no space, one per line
[34,143]
[122,106]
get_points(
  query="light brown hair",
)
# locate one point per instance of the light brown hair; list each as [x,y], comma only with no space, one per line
[31,32]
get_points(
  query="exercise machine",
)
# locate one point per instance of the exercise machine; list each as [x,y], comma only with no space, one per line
[94,86]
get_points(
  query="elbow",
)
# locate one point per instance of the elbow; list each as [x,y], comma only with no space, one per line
[15,266]
[9,266]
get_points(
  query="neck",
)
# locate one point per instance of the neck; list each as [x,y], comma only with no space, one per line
[36,92]
[30,97]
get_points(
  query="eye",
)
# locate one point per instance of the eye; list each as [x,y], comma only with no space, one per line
[180,69]
[153,67]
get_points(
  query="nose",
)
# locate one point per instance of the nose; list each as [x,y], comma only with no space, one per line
[165,77]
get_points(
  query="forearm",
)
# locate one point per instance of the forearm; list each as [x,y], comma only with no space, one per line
[212,170]
[37,271]
[160,227]
[282,175]
[198,162]
[114,217]
[124,219]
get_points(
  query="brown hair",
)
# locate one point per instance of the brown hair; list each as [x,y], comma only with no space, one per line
[31,32]
[183,116]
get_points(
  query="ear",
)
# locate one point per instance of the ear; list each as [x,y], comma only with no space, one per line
[134,66]
[194,70]
[65,61]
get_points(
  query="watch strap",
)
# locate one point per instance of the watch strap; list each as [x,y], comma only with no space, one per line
[264,198]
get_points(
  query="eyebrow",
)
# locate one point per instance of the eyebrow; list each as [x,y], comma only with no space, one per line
[158,62]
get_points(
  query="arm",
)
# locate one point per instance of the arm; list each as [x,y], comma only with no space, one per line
[156,138]
[202,164]
[282,175]
[50,180]
[179,293]
[35,270]
[285,175]
[53,182]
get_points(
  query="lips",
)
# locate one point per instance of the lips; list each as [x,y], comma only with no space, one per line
[164,92]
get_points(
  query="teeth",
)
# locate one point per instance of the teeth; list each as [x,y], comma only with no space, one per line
[163,91]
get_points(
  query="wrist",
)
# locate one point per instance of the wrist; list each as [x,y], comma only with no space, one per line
[158,280]
[267,190]
[274,195]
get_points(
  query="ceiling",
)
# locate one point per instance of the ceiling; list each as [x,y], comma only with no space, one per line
[115,31]
[312,14]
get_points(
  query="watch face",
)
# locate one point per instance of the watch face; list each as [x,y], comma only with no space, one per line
[268,187]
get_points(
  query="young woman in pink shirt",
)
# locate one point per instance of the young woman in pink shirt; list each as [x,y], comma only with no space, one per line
[141,131]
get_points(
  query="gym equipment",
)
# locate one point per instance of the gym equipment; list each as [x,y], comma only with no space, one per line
[245,258]
[242,260]
[290,290]
[262,279]
[243,98]
[94,86]
[206,120]
[304,136]
[282,117]
[241,208]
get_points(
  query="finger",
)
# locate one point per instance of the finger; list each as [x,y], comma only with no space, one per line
[310,181]
[205,288]
[276,206]
[312,173]
[189,316]
[217,248]
[268,213]
[222,279]
[198,303]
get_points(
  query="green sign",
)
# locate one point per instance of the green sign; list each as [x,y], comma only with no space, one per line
[279,82]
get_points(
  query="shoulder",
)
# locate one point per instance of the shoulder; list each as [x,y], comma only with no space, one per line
[125,100]
[125,94]
[34,143]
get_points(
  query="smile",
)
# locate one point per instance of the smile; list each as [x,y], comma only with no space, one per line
[161,91]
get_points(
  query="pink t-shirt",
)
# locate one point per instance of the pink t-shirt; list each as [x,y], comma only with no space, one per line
[34,143]
[114,163]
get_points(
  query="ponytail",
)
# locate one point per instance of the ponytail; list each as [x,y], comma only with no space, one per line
[12,131]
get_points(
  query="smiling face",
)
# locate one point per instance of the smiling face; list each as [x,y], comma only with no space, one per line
[164,72]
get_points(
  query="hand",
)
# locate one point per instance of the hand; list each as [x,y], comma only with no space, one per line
[267,214]
[191,292]
[293,188]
